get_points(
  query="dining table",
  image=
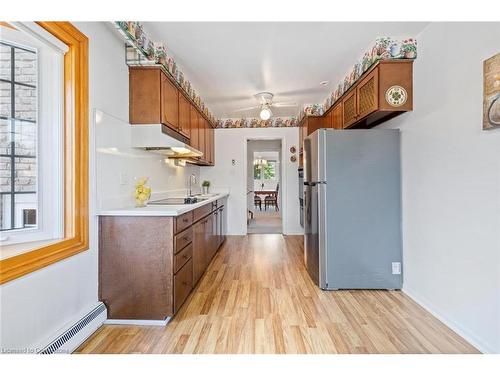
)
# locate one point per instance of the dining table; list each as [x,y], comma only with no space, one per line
[264,192]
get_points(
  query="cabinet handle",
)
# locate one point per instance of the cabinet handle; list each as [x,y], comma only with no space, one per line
[185,283]
[185,238]
[185,220]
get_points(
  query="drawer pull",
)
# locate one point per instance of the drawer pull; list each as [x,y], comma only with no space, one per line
[185,283]
[185,220]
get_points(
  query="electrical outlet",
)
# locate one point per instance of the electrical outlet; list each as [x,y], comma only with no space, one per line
[233,162]
[396,268]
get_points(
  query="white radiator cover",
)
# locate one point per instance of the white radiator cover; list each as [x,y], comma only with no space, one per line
[74,335]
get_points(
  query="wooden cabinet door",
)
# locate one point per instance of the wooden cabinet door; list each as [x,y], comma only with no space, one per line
[209,239]
[222,232]
[367,94]
[144,96]
[349,106]
[328,120]
[337,116]
[169,103]
[184,116]
[201,135]
[194,136]
[198,250]
[208,147]
[212,143]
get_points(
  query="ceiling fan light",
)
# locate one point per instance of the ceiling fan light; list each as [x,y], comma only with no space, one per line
[265,113]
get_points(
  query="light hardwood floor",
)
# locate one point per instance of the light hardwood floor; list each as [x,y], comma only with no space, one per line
[256,297]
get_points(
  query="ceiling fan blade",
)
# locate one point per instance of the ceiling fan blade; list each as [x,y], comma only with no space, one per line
[246,108]
[283,104]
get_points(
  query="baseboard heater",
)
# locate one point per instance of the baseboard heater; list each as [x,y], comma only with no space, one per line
[77,328]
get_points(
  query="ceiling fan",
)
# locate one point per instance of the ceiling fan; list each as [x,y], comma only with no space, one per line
[266,102]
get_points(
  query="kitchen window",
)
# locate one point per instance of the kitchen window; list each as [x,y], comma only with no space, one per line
[31,145]
[44,145]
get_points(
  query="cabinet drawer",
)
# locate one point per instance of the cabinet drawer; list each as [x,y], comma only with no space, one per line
[183,284]
[183,221]
[202,211]
[182,257]
[182,239]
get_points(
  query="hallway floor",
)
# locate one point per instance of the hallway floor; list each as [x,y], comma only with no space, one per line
[265,221]
[256,297]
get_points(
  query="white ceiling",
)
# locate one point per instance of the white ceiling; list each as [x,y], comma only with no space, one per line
[228,63]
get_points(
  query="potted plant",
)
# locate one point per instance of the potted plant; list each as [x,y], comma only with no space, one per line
[205,185]
[409,48]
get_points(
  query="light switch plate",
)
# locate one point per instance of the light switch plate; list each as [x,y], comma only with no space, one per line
[123,179]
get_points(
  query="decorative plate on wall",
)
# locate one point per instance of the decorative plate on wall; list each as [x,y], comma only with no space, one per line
[396,96]
[293,150]
[293,158]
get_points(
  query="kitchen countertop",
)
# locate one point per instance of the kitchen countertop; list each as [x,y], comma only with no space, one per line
[157,210]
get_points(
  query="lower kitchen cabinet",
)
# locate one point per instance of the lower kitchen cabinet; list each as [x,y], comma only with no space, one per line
[148,265]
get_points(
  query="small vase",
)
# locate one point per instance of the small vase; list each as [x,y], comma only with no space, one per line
[140,203]
[205,189]
[142,192]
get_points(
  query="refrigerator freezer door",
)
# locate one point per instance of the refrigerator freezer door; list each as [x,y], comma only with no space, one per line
[311,233]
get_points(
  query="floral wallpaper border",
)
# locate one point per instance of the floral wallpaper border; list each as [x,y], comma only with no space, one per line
[383,48]
[255,122]
[157,53]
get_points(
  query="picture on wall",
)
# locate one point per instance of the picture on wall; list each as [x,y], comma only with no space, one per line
[491,102]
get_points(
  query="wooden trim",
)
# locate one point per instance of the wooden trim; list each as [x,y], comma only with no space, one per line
[76,208]
[7,25]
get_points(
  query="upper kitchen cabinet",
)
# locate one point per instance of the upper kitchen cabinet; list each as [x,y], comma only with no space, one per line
[337,114]
[194,140]
[184,116]
[383,92]
[169,103]
[153,99]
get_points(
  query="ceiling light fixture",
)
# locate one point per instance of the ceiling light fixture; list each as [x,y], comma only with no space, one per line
[265,112]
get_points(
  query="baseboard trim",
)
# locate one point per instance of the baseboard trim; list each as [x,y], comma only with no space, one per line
[69,340]
[137,322]
[450,323]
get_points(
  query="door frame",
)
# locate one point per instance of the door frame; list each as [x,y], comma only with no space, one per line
[283,173]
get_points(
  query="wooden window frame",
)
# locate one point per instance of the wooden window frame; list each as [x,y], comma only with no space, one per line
[76,207]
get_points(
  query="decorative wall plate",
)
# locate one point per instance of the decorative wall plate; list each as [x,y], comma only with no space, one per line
[396,96]
[293,150]
[293,158]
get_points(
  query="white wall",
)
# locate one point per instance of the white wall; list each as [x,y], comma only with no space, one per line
[37,307]
[230,144]
[451,184]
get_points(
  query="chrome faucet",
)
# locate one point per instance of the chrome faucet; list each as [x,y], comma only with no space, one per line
[192,180]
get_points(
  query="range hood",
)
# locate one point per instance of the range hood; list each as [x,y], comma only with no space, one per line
[161,139]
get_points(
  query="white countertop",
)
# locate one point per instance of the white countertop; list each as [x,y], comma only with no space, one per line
[157,210]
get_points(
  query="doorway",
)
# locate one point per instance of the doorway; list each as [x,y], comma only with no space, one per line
[264,186]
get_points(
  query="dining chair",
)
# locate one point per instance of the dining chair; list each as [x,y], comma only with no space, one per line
[257,201]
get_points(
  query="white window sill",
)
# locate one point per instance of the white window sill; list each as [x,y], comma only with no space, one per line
[8,251]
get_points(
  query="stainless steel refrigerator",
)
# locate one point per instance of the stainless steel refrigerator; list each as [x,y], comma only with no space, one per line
[352,209]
